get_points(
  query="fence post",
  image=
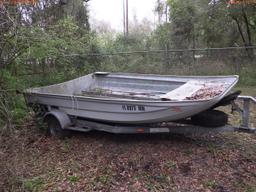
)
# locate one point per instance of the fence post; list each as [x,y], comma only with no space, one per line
[167,55]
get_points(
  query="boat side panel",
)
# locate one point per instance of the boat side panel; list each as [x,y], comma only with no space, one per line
[122,111]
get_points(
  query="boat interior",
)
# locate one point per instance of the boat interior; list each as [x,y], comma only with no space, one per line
[141,87]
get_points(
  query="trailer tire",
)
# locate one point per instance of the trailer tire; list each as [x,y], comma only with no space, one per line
[210,118]
[54,128]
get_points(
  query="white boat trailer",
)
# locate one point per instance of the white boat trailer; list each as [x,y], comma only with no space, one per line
[84,125]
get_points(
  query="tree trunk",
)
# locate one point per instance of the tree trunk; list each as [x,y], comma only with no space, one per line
[247,27]
[240,30]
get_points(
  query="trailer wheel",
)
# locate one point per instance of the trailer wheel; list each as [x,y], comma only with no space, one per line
[54,128]
[210,118]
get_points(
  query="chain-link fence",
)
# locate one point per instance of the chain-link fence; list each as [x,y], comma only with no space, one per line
[181,62]
[213,61]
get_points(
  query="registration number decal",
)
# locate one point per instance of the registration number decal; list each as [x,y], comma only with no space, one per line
[133,108]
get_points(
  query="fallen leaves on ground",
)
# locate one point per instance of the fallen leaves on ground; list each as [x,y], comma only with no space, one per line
[96,161]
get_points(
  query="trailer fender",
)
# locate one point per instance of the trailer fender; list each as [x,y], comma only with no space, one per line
[61,116]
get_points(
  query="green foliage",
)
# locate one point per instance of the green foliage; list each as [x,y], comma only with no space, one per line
[171,164]
[211,184]
[47,59]
[58,47]
[12,106]
[48,13]
[33,184]
[161,36]
[73,178]
[104,179]
[198,23]
[248,77]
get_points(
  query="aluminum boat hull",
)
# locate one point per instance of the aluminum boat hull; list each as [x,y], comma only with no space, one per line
[68,97]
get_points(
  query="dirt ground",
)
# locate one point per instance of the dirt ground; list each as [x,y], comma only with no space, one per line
[96,161]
